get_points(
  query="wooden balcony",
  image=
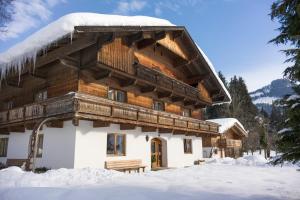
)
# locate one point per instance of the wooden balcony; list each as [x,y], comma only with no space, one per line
[228,143]
[88,107]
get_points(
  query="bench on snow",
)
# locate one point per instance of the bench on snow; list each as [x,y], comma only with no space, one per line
[125,165]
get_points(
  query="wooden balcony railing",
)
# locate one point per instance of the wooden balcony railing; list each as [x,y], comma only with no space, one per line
[161,80]
[225,143]
[96,108]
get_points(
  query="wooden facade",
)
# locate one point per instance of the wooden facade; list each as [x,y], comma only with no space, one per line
[148,64]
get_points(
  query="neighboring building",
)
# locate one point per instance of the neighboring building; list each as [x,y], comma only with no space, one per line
[117,88]
[229,143]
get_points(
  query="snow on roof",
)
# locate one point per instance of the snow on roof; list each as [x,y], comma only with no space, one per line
[27,50]
[227,123]
[216,75]
[19,54]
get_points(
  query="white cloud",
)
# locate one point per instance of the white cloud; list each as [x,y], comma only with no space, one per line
[259,76]
[28,14]
[126,7]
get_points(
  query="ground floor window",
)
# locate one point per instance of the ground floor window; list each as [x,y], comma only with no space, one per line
[116,144]
[187,143]
[3,147]
[39,151]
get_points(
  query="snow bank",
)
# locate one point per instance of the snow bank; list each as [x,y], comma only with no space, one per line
[15,177]
[27,50]
[255,160]
[226,123]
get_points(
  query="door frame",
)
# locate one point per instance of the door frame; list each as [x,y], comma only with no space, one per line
[158,155]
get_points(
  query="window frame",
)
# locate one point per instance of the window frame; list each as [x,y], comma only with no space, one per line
[3,150]
[115,145]
[43,93]
[160,102]
[115,95]
[185,149]
[40,145]
[186,110]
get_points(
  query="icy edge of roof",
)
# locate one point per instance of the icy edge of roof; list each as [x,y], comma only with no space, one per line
[227,123]
[26,51]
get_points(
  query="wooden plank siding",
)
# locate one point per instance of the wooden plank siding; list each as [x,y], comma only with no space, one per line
[117,55]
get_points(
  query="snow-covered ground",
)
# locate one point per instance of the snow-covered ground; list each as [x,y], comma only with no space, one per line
[224,179]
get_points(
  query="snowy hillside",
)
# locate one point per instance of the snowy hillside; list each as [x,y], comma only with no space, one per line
[244,178]
[265,96]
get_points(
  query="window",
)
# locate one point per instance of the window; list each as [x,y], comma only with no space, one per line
[40,95]
[10,104]
[187,143]
[186,112]
[158,105]
[115,144]
[3,147]
[39,151]
[117,95]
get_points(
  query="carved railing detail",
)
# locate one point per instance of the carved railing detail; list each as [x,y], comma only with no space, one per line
[97,108]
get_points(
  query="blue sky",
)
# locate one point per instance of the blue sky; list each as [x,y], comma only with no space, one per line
[233,33]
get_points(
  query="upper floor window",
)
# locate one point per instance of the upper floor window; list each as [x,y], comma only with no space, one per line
[187,145]
[158,105]
[115,144]
[10,104]
[186,112]
[117,95]
[3,147]
[40,95]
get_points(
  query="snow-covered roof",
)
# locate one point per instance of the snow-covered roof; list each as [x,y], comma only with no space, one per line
[227,123]
[27,50]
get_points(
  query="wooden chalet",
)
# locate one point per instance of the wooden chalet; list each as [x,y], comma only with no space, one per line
[229,143]
[152,80]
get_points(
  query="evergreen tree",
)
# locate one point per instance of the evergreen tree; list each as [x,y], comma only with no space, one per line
[287,12]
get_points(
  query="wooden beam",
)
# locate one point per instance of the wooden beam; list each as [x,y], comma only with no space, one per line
[127,126]
[18,128]
[128,82]
[103,74]
[129,40]
[70,62]
[188,103]
[179,132]
[29,125]
[196,79]
[4,131]
[55,124]
[75,121]
[148,129]
[176,99]
[147,89]
[165,130]
[161,95]
[100,124]
[149,41]
[14,84]
[39,77]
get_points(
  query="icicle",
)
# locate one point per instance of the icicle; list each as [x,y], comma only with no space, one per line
[71,36]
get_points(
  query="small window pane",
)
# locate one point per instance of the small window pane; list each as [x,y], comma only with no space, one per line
[3,147]
[186,112]
[110,144]
[158,105]
[187,145]
[120,96]
[39,152]
[111,94]
[41,95]
[120,145]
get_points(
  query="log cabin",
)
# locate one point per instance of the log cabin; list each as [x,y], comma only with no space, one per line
[90,89]
[228,143]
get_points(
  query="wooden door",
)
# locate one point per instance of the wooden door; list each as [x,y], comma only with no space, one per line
[156,153]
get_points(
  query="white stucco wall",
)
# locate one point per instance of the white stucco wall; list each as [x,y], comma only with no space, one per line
[85,146]
[58,147]
[90,148]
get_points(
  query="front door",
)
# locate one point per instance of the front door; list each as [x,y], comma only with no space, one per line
[156,153]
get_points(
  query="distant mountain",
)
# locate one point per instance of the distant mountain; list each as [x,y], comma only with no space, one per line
[265,96]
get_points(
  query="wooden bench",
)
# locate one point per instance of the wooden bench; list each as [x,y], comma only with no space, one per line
[125,165]
[199,162]
[15,162]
